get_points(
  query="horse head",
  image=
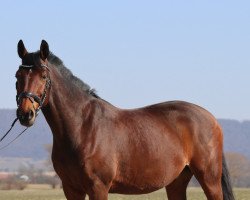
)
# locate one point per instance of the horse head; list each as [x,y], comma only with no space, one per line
[33,83]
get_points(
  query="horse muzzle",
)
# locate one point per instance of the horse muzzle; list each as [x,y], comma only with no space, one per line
[26,118]
[29,105]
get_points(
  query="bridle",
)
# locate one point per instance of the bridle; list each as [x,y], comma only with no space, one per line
[31,96]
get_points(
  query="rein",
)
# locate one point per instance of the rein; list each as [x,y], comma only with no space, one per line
[3,147]
[33,98]
[12,125]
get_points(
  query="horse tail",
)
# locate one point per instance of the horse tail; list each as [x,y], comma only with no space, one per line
[226,182]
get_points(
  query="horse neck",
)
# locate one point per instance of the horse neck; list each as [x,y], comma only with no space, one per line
[66,106]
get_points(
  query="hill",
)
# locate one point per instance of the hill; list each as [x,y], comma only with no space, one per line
[236,136]
[31,144]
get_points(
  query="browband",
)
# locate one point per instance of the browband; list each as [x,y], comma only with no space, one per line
[26,66]
[31,66]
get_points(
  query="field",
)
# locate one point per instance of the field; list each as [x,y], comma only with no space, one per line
[44,193]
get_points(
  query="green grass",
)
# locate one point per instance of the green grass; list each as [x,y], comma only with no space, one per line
[44,193]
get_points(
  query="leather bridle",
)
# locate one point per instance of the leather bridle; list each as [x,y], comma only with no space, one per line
[31,96]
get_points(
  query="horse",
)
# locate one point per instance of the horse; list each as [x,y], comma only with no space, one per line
[100,149]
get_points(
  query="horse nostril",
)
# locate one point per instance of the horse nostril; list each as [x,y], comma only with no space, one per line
[31,115]
[28,116]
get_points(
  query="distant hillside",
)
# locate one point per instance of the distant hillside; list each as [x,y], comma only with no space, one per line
[31,144]
[236,136]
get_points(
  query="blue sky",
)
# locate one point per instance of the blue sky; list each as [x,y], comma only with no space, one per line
[137,53]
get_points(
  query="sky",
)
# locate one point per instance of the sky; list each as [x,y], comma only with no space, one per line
[139,52]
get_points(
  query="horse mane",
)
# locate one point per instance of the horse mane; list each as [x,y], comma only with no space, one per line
[68,75]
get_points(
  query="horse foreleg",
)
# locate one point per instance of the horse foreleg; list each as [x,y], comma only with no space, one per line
[72,194]
[98,191]
[177,189]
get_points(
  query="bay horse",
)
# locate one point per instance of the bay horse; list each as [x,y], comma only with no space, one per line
[100,149]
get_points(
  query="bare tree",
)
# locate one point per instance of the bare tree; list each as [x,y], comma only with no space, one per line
[239,168]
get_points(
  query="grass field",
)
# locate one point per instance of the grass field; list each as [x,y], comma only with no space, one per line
[44,193]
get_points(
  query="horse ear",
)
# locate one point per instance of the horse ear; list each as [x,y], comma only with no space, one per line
[21,49]
[44,50]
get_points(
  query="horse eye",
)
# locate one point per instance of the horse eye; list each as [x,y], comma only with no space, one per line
[44,76]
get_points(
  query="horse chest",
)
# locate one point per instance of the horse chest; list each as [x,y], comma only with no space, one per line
[67,165]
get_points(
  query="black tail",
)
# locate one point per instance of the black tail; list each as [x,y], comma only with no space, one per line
[226,182]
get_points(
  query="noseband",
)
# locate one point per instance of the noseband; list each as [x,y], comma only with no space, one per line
[33,97]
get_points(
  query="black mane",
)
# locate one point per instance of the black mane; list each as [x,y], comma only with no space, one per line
[69,76]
